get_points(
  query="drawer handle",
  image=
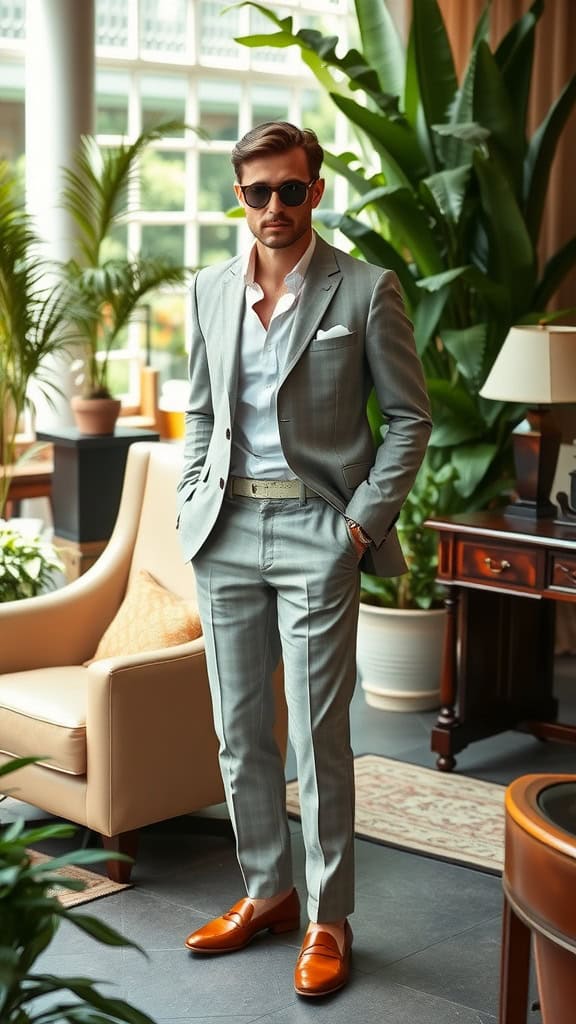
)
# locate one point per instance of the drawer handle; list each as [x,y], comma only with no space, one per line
[570,573]
[497,567]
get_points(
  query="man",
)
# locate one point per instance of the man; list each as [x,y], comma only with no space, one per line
[282,497]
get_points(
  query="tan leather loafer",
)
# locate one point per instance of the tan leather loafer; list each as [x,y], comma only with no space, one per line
[239,925]
[321,968]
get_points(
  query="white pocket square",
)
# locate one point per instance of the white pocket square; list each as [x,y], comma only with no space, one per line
[333,332]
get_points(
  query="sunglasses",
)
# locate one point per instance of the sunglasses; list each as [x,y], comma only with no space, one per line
[291,193]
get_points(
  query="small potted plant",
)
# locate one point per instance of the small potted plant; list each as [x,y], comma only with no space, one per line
[28,562]
[402,619]
[99,194]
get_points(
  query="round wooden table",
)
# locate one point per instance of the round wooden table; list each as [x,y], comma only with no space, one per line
[540,898]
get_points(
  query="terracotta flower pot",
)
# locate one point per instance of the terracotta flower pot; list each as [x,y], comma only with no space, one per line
[95,415]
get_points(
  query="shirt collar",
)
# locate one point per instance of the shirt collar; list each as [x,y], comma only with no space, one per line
[294,278]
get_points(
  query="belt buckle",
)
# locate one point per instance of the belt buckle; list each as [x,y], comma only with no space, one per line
[254,488]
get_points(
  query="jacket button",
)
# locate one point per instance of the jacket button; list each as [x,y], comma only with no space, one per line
[221,484]
[228,433]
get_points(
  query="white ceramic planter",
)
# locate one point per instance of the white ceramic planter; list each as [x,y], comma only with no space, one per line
[399,657]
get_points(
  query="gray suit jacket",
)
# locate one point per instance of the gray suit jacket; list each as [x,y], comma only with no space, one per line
[350,334]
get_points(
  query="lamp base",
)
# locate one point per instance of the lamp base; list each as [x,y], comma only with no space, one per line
[531,510]
[535,457]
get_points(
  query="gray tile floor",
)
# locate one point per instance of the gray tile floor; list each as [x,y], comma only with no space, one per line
[427,934]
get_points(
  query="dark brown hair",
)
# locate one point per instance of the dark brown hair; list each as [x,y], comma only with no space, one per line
[277,137]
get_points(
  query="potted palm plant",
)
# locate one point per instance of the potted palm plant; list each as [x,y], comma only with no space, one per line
[34,327]
[100,192]
[34,320]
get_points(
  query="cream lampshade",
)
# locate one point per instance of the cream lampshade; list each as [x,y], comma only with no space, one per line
[536,366]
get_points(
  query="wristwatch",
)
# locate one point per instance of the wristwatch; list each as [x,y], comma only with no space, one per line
[358,532]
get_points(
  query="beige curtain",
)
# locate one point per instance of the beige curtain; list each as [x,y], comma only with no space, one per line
[554,63]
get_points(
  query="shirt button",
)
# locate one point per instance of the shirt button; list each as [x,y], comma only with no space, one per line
[227,433]
[221,484]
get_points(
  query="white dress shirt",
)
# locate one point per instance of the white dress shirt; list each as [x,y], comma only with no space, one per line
[256,448]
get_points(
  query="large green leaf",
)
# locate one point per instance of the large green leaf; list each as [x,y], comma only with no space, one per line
[507,46]
[434,63]
[411,98]
[467,347]
[394,141]
[455,413]
[448,189]
[381,44]
[515,56]
[540,155]
[436,282]
[318,52]
[341,165]
[409,222]
[84,989]
[472,462]
[493,109]
[454,146]
[426,319]
[555,271]
[374,248]
[512,260]
[492,294]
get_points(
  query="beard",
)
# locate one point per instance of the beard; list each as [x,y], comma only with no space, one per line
[290,234]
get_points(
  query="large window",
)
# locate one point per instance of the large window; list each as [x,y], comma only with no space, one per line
[159,60]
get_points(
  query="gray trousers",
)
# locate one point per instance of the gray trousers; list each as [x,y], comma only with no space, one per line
[280,578]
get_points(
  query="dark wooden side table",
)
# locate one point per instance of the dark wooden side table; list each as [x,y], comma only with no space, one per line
[86,489]
[504,576]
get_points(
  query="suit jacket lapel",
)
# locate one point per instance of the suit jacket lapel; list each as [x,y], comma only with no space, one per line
[230,316]
[320,285]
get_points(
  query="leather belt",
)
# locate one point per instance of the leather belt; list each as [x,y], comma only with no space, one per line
[246,487]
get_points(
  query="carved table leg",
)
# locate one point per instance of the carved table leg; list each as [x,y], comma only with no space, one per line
[447,718]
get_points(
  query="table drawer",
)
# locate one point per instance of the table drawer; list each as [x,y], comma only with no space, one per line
[500,565]
[563,571]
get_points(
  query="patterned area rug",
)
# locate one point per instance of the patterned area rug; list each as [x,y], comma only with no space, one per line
[450,817]
[96,885]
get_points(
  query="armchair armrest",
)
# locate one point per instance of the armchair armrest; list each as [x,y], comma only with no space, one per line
[149,718]
[64,626]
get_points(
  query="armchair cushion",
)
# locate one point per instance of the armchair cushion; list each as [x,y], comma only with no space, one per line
[43,714]
[150,617]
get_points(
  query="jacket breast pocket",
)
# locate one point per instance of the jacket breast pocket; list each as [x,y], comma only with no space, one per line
[332,341]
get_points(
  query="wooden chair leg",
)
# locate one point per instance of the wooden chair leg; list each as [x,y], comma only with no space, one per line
[514,968]
[124,842]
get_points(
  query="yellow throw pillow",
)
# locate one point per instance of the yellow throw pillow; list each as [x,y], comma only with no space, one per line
[149,617]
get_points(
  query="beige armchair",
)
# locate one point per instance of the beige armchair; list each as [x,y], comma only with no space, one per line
[126,740]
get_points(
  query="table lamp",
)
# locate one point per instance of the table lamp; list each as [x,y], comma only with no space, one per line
[536,366]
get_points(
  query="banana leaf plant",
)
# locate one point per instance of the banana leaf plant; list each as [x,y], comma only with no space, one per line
[450,190]
[100,193]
